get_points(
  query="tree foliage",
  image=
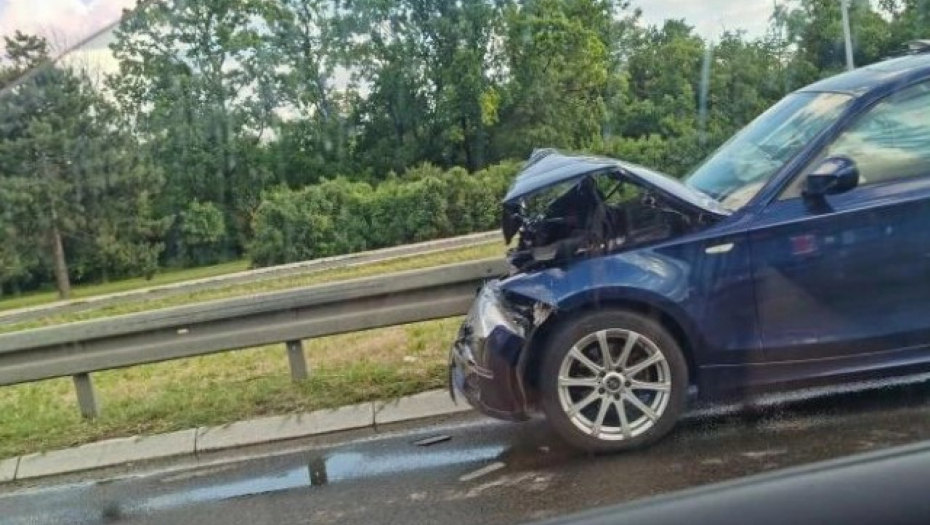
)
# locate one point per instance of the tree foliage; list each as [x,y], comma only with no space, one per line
[290,129]
[74,191]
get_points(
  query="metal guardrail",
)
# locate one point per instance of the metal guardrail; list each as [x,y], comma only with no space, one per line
[78,349]
[250,276]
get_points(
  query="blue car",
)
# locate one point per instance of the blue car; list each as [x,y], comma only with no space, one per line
[798,254]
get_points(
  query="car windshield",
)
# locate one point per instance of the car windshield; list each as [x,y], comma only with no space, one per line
[738,170]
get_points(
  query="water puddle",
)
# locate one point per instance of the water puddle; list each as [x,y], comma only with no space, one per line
[114,502]
[319,471]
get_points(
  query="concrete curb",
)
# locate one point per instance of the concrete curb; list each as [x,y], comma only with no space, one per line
[279,428]
[191,442]
[106,454]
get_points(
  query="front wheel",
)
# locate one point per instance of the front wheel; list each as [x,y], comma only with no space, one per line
[613,380]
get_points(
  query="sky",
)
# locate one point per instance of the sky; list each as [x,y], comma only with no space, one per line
[62,21]
[67,22]
[711,18]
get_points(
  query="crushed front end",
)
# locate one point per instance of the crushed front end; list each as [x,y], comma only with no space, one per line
[560,209]
[484,361]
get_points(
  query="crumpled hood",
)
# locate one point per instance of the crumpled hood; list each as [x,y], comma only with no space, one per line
[548,167]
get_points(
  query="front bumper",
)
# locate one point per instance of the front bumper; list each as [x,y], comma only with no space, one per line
[484,363]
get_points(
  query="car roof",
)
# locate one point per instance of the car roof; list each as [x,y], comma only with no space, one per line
[878,76]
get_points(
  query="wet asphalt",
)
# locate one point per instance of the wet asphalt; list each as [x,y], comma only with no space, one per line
[486,472]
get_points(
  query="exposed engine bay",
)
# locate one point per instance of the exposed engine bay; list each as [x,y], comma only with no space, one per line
[595,214]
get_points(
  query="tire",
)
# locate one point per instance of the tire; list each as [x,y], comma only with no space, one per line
[567,381]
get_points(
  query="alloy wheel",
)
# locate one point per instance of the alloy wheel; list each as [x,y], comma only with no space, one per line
[614,384]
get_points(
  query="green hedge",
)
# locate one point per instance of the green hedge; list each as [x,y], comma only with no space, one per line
[339,216]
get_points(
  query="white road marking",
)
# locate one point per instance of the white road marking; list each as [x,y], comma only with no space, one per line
[483,471]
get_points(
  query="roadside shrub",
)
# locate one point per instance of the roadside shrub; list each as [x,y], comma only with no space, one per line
[349,206]
[474,201]
[494,182]
[203,231]
[422,171]
[338,216]
[405,212]
[292,226]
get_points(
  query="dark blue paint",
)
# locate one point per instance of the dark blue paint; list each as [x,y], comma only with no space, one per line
[853,279]
[493,387]
[876,77]
[506,346]
[552,169]
[706,295]
[544,170]
[786,292]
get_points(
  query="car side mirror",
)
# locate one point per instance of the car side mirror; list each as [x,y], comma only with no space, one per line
[834,175]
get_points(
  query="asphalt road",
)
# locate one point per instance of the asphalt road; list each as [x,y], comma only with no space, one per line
[485,473]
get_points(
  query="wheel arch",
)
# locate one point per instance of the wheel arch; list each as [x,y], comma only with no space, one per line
[675,322]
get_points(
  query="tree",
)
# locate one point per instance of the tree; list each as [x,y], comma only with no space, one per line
[216,102]
[910,20]
[312,138]
[815,28]
[664,67]
[123,235]
[67,170]
[557,66]
[429,65]
[19,258]
[202,231]
[198,79]
[40,104]
[746,78]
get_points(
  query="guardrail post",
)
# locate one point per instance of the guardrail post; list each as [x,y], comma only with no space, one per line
[297,360]
[87,400]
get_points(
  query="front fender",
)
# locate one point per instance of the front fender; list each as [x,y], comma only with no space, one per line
[647,277]
[641,272]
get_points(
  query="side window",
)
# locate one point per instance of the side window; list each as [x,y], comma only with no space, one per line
[890,142]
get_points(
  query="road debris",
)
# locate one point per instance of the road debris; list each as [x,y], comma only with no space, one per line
[425,442]
[483,471]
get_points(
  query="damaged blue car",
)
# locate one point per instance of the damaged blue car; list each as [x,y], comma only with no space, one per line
[797,254]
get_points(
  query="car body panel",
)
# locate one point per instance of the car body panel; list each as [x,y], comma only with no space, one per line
[853,279]
[733,381]
[496,391]
[878,76]
[680,279]
[485,356]
[547,168]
